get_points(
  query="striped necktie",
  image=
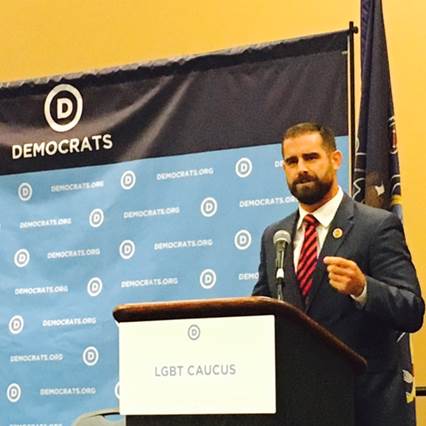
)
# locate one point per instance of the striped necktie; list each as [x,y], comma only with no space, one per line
[308,255]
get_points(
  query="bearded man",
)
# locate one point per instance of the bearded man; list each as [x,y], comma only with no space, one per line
[348,268]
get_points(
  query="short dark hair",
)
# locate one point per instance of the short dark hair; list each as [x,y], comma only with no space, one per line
[327,135]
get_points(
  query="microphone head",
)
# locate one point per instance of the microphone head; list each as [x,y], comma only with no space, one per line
[281,236]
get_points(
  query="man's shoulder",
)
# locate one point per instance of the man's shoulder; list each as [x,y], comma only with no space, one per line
[370,214]
[286,223]
[374,212]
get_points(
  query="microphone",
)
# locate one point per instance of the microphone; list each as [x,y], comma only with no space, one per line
[281,239]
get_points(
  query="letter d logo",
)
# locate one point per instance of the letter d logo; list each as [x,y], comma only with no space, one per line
[63,107]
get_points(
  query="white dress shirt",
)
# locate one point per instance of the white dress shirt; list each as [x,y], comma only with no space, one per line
[324,215]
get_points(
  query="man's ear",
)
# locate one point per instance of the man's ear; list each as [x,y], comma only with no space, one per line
[336,159]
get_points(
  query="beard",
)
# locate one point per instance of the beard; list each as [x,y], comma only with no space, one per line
[313,192]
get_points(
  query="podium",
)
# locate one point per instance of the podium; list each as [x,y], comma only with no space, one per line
[314,371]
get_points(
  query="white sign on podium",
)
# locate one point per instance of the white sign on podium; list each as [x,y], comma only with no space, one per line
[198,366]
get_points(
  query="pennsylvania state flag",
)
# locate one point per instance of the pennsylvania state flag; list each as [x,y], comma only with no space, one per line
[376,178]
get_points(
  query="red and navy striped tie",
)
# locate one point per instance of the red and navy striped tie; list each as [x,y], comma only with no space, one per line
[308,255]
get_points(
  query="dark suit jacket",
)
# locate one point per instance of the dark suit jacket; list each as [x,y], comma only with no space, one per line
[374,239]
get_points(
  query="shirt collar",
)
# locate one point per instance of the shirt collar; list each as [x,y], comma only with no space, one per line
[325,214]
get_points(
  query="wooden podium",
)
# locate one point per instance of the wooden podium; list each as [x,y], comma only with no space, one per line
[315,372]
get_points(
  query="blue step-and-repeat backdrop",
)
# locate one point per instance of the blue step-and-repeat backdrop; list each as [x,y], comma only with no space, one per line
[142,183]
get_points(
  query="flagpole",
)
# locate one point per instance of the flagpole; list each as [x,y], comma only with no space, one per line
[352,134]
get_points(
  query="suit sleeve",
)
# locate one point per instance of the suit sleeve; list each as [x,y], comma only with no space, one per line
[393,291]
[262,288]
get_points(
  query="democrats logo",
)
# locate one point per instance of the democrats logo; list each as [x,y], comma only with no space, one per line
[90,356]
[16,324]
[194,332]
[127,249]
[242,239]
[128,180]
[25,191]
[94,287]
[13,392]
[96,218]
[208,207]
[63,107]
[208,279]
[243,167]
[22,257]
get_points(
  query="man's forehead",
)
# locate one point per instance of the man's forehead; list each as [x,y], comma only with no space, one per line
[305,136]
[307,142]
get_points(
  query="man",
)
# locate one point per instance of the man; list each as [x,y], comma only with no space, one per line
[348,268]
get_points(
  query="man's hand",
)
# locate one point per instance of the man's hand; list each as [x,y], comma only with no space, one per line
[345,276]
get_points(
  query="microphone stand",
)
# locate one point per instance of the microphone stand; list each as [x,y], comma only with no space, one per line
[281,239]
[279,277]
[280,284]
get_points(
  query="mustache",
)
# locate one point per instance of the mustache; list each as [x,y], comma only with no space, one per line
[304,179]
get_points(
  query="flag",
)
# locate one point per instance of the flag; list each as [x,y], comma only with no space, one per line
[376,177]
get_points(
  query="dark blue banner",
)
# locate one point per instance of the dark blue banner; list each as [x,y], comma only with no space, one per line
[148,182]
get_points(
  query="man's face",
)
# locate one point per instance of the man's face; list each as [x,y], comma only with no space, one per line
[310,168]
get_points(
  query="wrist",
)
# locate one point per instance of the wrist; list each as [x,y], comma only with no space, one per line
[361,297]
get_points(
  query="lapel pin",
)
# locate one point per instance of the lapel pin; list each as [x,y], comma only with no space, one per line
[337,233]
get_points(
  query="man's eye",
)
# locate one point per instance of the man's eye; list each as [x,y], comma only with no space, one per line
[290,161]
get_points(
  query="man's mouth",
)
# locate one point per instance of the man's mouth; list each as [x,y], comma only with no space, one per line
[304,181]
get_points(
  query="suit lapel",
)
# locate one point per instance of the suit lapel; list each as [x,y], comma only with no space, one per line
[338,232]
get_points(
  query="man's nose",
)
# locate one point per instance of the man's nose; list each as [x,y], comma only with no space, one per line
[301,167]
